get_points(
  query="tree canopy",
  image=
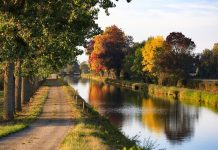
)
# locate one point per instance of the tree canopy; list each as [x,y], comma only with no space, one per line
[148,52]
[109,50]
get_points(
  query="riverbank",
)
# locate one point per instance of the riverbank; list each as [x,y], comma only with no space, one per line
[30,112]
[199,97]
[91,130]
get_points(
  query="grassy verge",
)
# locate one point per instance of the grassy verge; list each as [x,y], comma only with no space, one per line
[91,130]
[30,112]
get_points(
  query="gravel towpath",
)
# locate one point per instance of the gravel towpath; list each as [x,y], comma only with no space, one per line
[48,131]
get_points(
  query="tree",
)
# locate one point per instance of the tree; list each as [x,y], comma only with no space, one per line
[176,58]
[208,66]
[109,50]
[73,68]
[132,62]
[215,49]
[95,61]
[148,52]
[137,67]
[84,67]
[128,62]
[52,30]
[113,49]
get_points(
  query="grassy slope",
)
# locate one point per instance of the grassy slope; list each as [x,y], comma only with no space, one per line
[27,116]
[92,131]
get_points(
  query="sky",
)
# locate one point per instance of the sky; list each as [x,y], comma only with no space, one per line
[196,19]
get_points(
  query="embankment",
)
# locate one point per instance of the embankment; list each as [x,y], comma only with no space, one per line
[91,130]
[201,97]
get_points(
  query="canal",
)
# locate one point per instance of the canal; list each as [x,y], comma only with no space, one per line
[169,124]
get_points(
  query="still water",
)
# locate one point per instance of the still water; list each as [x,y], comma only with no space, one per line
[170,124]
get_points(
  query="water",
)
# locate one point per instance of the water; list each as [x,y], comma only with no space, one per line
[168,123]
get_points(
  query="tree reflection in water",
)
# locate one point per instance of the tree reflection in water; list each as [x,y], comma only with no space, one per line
[107,100]
[172,118]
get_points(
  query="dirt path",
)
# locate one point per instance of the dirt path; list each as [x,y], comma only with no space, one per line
[49,130]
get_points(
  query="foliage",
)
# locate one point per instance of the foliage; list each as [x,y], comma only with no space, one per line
[84,67]
[137,67]
[44,34]
[132,62]
[175,58]
[128,62]
[109,50]
[73,67]
[95,62]
[28,29]
[114,44]
[208,63]
[148,52]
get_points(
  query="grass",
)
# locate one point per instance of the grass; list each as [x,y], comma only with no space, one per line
[92,131]
[23,119]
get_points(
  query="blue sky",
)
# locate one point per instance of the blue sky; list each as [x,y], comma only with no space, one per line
[196,19]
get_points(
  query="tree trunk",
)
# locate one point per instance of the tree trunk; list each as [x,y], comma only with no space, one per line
[18,104]
[8,112]
[24,90]
[13,93]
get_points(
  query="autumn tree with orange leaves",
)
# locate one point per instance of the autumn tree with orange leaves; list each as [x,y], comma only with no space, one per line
[108,49]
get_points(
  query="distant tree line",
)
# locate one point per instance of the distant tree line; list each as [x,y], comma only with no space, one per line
[169,61]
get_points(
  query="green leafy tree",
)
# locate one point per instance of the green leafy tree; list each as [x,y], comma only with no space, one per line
[137,66]
[208,63]
[51,30]
[132,62]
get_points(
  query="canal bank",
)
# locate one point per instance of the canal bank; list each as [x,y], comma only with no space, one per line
[91,130]
[198,97]
[170,124]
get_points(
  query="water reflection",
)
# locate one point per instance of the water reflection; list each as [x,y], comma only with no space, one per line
[169,117]
[106,99]
[169,121]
